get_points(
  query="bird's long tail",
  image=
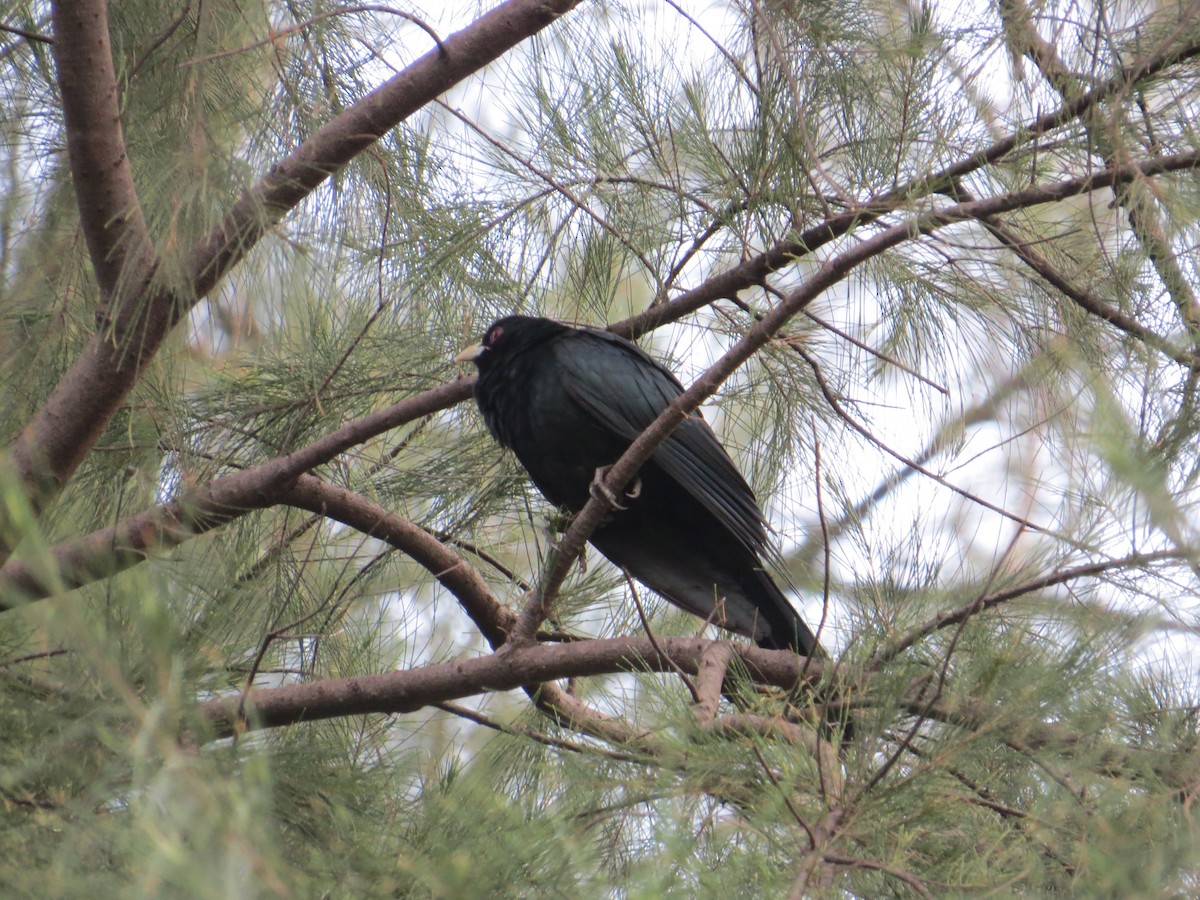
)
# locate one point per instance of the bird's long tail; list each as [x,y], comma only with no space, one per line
[788,632]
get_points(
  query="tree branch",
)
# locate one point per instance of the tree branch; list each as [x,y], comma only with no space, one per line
[64,430]
[110,214]
[1081,298]
[1178,768]
[982,411]
[411,689]
[960,614]
[1133,198]
[450,569]
[110,550]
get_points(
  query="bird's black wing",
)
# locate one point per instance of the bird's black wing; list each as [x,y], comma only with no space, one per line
[624,390]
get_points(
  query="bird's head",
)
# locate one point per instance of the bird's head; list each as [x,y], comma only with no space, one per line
[508,336]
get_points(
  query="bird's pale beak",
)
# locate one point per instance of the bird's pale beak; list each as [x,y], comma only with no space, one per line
[470,354]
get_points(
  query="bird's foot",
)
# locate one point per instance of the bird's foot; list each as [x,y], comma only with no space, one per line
[600,490]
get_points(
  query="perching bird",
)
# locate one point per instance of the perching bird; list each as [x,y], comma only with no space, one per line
[569,401]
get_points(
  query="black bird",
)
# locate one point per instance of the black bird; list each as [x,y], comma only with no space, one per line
[569,401]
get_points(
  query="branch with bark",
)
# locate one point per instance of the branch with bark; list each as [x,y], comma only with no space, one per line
[510,668]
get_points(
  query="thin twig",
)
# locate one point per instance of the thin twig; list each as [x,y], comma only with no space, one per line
[275,36]
[30,657]
[637,602]
[878,354]
[558,743]
[28,35]
[787,799]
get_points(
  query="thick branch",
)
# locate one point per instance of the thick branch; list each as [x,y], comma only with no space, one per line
[411,689]
[109,212]
[62,433]
[346,136]
[710,681]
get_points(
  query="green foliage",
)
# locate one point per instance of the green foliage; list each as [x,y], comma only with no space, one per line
[981,430]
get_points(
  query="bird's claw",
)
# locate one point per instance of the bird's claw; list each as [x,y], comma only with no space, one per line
[601,491]
[636,491]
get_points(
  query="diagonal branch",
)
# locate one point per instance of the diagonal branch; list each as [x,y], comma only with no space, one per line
[109,212]
[910,465]
[754,270]
[985,410]
[454,573]
[64,430]
[220,501]
[956,616]
[1086,301]
[1133,197]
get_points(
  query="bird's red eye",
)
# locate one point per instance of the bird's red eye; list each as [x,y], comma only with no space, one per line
[494,335]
